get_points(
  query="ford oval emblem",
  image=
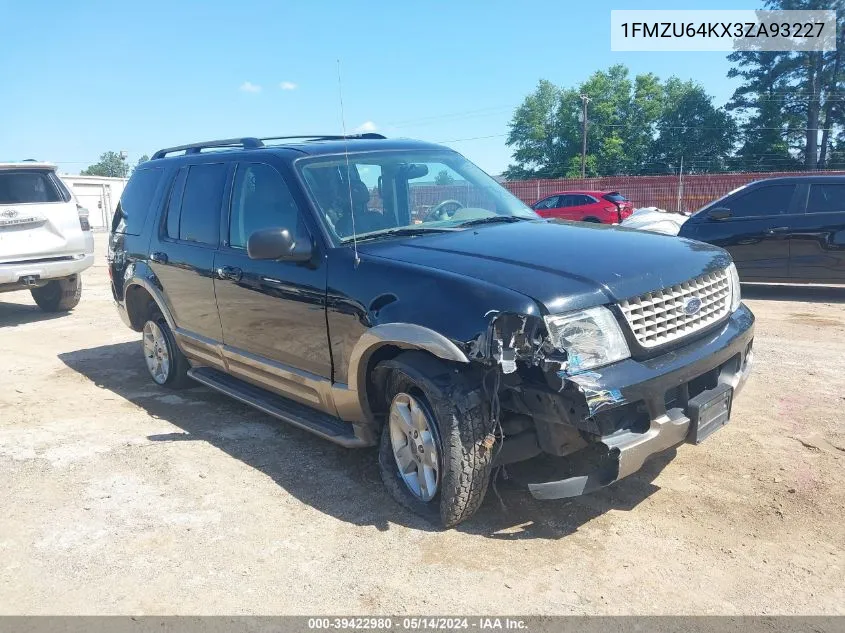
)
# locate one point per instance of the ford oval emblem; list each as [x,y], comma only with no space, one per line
[692,306]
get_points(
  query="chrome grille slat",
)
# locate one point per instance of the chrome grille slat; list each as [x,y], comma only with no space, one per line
[658,317]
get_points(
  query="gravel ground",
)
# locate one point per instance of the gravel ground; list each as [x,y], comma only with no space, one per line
[121,497]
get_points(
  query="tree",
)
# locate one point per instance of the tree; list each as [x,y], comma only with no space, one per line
[834,107]
[837,154]
[788,97]
[110,164]
[443,178]
[535,135]
[691,128]
[633,127]
[767,130]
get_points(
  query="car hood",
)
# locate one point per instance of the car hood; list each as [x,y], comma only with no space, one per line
[563,265]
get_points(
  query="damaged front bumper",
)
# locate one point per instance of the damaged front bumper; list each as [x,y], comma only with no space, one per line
[635,409]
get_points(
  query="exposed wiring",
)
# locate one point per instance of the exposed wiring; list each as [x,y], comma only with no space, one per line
[497,433]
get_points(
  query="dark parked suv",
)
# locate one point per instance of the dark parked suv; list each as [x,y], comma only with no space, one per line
[779,230]
[332,283]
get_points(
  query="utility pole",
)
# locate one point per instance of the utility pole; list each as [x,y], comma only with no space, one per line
[680,184]
[584,101]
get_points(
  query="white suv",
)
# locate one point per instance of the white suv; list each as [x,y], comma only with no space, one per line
[45,238]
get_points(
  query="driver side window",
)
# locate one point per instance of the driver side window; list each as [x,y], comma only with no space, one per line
[260,200]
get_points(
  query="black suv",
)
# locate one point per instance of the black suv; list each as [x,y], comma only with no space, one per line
[389,293]
[780,229]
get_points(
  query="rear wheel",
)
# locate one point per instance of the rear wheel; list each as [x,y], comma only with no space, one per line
[431,457]
[59,295]
[166,364]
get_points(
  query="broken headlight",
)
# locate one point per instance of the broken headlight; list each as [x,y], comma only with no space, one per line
[736,295]
[591,338]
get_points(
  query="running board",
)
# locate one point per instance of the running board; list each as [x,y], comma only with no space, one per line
[299,415]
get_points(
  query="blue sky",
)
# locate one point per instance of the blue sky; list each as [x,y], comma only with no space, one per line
[80,78]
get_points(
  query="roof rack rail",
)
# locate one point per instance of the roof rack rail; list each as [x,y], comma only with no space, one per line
[247,142]
[326,137]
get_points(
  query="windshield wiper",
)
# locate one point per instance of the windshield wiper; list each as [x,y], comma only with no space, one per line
[402,231]
[493,219]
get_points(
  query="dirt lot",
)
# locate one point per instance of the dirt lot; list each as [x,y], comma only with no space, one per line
[120,497]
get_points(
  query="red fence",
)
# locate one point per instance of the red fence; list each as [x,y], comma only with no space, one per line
[649,191]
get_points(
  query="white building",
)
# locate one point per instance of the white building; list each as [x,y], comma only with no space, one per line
[98,194]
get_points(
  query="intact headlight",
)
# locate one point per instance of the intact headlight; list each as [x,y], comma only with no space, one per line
[736,295]
[591,338]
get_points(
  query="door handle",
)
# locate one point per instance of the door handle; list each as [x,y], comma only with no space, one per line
[777,229]
[159,258]
[229,272]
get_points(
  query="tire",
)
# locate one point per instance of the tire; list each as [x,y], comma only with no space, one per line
[159,348]
[59,295]
[458,425]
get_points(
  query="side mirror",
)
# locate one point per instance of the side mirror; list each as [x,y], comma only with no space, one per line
[719,213]
[277,244]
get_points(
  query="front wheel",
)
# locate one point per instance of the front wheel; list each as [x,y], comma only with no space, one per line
[432,457]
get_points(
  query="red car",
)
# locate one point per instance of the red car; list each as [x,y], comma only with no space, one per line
[606,207]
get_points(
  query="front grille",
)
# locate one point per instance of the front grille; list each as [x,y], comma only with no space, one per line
[660,317]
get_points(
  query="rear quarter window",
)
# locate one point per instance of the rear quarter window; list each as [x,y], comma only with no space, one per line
[29,187]
[826,198]
[135,203]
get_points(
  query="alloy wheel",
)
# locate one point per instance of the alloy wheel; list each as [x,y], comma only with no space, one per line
[155,352]
[414,446]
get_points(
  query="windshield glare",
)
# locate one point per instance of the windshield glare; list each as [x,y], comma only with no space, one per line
[384,191]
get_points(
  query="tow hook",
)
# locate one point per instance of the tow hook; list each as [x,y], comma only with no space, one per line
[30,281]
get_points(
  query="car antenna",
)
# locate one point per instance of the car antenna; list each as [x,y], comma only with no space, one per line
[348,172]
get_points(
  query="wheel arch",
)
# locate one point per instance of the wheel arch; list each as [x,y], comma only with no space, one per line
[138,296]
[385,342]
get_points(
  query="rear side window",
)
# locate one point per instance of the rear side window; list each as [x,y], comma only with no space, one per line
[200,215]
[134,205]
[767,200]
[575,200]
[28,187]
[826,198]
[615,196]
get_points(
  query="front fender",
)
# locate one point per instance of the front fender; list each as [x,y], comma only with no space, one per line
[381,302]
[403,336]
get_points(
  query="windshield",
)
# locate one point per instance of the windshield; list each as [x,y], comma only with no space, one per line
[385,193]
[714,203]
